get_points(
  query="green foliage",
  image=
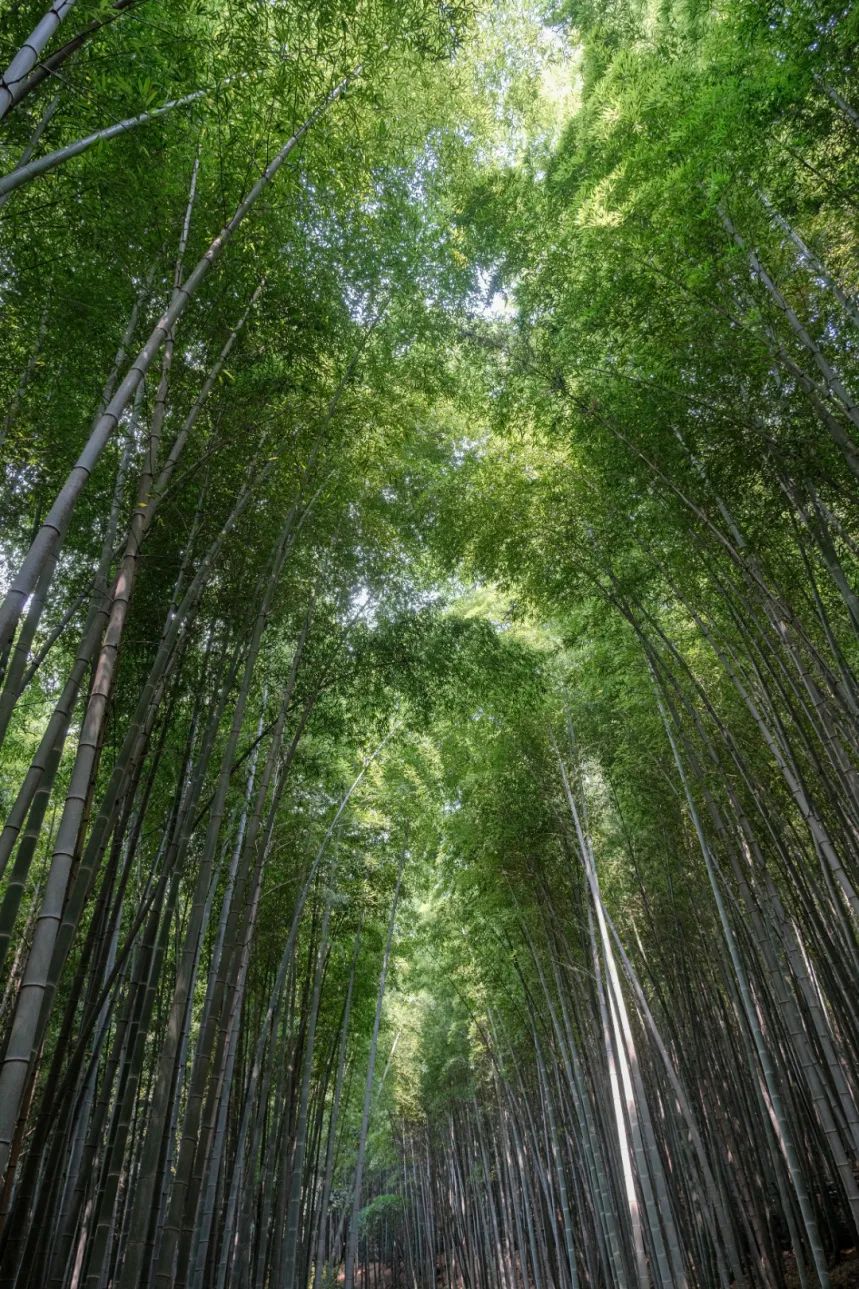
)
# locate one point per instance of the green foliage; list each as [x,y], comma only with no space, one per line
[551,377]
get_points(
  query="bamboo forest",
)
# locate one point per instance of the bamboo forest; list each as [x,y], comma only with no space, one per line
[429,644]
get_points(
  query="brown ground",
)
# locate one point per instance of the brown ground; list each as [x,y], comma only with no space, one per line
[843,1276]
[384,1278]
[846,1276]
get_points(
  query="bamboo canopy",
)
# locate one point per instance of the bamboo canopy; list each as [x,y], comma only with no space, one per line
[429,641]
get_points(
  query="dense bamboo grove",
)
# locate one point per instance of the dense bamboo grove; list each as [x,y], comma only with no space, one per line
[429,646]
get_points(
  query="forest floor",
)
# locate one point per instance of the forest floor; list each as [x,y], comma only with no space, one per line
[380,1276]
[845,1275]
